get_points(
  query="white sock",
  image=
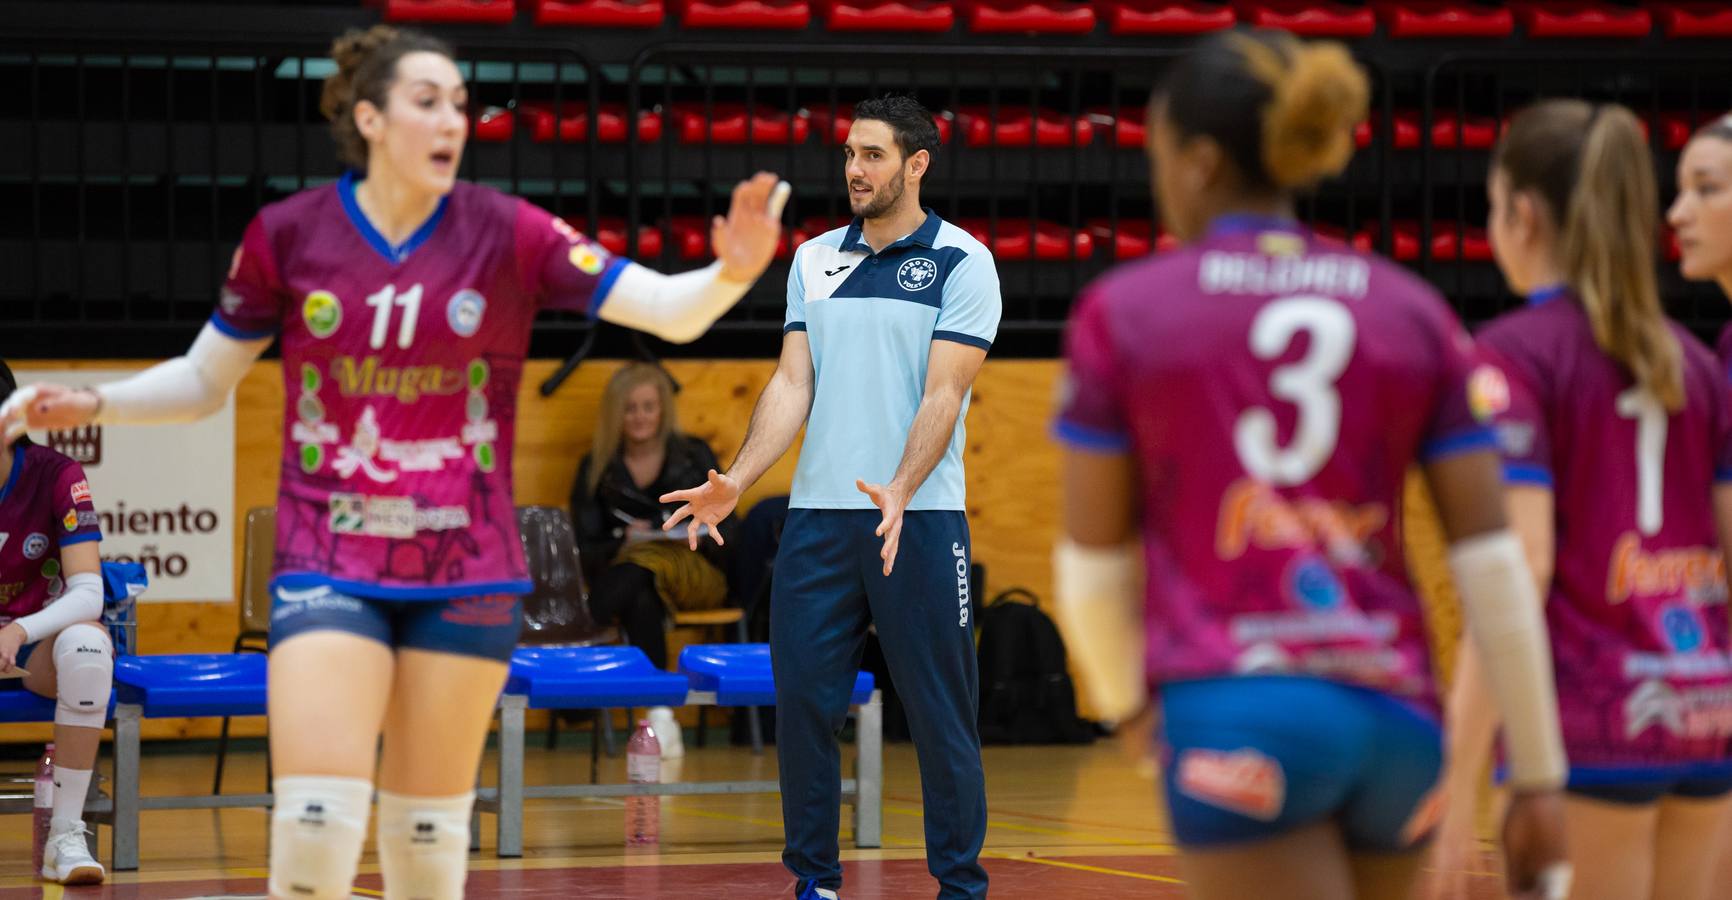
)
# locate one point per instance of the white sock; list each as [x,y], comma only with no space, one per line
[70,786]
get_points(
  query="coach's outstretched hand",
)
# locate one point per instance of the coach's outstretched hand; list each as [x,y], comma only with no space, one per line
[745,240]
[891,501]
[52,406]
[706,504]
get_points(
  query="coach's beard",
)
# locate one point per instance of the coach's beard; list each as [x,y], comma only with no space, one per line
[882,202]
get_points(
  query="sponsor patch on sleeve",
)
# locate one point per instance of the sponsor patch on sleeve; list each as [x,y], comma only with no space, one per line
[81,491]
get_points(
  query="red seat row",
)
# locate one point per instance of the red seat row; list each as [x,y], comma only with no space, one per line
[1317,18]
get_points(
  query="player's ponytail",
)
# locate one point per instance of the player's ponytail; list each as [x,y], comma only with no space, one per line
[1592,169]
[1282,110]
[366,66]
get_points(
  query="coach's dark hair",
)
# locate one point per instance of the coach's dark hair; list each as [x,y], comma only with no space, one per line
[8,384]
[1283,111]
[910,122]
[366,67]
[1591,168]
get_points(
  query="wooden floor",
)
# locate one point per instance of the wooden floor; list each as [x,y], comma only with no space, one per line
[1066,823]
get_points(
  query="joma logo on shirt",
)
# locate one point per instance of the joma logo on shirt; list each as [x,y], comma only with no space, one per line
[367,378]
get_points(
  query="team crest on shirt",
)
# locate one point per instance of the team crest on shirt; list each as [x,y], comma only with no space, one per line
[1487,393]
[81,491]
[35,545]
[323,313]
[1244,781]
[917,274]
[464,312]
[1682,628]
[71,520]
[586,260]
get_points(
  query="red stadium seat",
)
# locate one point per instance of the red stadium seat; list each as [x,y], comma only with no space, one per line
[572,121]
[1014,126]
[610,233]
[1474,246]
[783,14]
[1017,241]
[833,127]
[1028,16]
[493,123]
[1127,127]
[1133,238]
[1693,18]
[1448,132]
[691,237]
[1311,18]
[888,15]
[1669,246]
[1443,18]
[601,13]
[1165,16]
[1582,19]
[492,12]
[726,124]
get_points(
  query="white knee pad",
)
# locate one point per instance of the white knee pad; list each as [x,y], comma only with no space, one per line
[317,828]
[84,668]
[424,845]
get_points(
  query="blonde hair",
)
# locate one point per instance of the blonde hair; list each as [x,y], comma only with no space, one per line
[609,421]
[1282,110]
[1591,168]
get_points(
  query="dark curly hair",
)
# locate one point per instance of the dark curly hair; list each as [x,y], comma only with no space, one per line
[910,122]
[366,67]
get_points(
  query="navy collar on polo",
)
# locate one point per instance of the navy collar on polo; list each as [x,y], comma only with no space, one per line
[923,236]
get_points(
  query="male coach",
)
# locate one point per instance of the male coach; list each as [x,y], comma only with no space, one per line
[888,322]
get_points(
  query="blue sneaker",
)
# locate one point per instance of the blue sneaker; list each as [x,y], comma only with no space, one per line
[809,890]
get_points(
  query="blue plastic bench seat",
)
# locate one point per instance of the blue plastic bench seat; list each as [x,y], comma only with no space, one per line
[192,684]
[591,678]
[739,674]
[19,705]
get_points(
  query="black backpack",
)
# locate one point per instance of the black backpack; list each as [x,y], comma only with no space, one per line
[1026,695]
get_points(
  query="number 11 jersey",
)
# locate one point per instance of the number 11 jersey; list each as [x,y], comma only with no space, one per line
[400,368]
[1273,390]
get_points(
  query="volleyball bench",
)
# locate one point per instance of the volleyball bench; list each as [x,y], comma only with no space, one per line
[616,676]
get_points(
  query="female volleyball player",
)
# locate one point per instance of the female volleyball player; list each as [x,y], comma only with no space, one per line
[1618,441]
[51,632]
[1701,216]
[404,300]
[1250,405]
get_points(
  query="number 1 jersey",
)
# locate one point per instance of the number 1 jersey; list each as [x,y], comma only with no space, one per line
[400,368]
[1273,390]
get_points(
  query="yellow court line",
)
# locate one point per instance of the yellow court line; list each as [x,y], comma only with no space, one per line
[1099,870]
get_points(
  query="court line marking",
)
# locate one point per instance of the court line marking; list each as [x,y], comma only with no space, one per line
[1099,870]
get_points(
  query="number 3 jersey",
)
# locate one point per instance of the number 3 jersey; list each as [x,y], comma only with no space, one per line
[400,367]
[1272,390]
[1637,606]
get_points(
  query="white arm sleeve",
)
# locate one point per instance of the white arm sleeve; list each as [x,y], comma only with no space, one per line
[81,602]
[182,389]
[1100,610]
[678,308]
[1505,617]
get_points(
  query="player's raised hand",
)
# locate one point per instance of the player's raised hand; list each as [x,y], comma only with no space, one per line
[707,504]
[891,501]
[52,406]
[745,239]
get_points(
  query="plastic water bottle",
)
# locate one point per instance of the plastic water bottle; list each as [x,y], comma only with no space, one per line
[643,764]
[42,811]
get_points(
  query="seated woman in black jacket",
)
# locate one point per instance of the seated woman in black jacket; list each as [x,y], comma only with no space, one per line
[638,576]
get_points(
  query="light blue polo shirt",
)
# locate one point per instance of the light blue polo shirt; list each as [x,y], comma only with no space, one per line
[871,319]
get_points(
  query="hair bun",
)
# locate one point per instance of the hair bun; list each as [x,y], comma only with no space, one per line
[349,51]
[1316,102]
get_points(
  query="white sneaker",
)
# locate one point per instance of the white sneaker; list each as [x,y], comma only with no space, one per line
[67,859]
[667,730]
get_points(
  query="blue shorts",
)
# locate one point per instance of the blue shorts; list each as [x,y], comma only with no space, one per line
[1639,786]
[486,626]
[1254,757]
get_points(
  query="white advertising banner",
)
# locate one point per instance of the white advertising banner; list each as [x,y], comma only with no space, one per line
[166,493]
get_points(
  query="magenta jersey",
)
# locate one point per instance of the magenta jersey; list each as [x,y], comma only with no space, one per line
[1637,607]
[44,506]
[401,366]
[1273,389]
